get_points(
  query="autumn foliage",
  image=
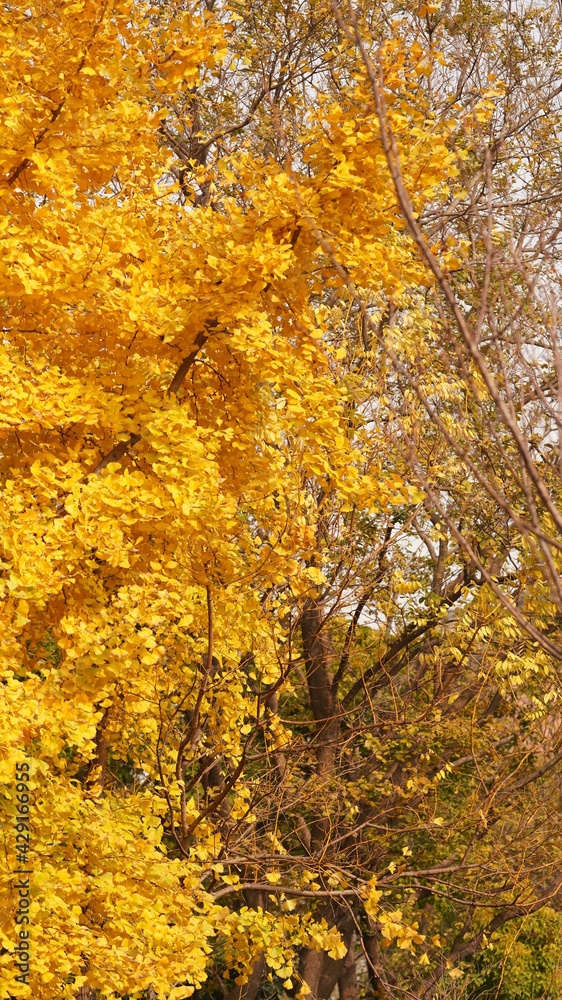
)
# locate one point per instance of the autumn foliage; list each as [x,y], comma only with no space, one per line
[282,666]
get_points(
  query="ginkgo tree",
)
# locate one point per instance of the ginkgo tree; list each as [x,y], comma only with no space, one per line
[242,693]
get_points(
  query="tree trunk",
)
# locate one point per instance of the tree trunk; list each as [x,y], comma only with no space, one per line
[249,990]
[371,945]
[318,662]
[347,982]
[317,969]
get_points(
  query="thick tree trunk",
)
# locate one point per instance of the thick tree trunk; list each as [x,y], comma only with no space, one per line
[319,971]
[371,946]
[318,656]
[318,662]
[249,990]
[347,982]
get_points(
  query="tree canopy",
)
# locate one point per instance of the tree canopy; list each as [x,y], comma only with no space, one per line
[281,508]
